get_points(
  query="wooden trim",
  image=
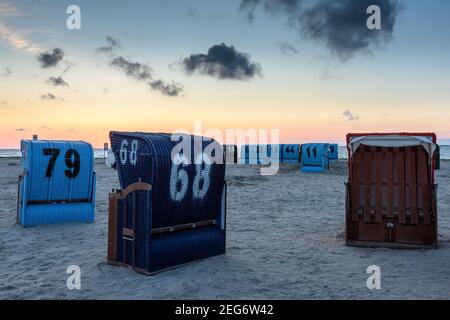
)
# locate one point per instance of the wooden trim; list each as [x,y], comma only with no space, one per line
[186,226]
[390,182]
[413,186]
[128,232]
[112,227]
[378,188]
[356,183]
[391,245]
[367,183]
[401,187]
[138,186]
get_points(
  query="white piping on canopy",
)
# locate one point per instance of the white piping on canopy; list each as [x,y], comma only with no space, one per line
[393,141]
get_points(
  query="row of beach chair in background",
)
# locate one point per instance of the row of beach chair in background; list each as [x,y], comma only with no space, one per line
[312,157]
[169,213]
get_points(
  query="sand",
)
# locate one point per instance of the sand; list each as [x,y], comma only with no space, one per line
[284,241]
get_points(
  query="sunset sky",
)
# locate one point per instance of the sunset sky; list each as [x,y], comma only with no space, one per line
[154,73]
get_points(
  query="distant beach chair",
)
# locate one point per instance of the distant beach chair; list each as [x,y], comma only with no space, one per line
[290,153]
[314,157]
[231,153]
[391,192]
[333,152]
[260,153]
[437,156]
[172,209]
[57,183]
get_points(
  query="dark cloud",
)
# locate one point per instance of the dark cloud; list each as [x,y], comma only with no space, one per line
[142,72]
[57,81]
[223,62]
[20,129]
[288,7]
[287,48]
[135,70]
[50,96]
[339,24]
[50,58]
[138,71]
[350,116]
[112,43]
[172,89]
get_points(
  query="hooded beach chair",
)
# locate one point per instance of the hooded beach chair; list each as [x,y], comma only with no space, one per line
[391,192]
[57,184]
[314,157]
[171,209]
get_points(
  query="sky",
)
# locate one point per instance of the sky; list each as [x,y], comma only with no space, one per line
[311,69]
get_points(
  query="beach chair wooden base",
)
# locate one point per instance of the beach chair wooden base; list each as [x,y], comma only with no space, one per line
[389,245]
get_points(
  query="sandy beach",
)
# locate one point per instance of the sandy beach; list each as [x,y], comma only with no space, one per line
[284,241]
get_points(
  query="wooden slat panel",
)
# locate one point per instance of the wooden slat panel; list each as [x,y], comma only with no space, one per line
[367,183]
[357,159]
[422,170]
[390,184]
[378,188]
[401,188]
[413,185]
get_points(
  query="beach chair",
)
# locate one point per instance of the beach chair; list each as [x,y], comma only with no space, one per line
[260,153]
[333,152]
[314,157]
[437,157]
[57,183]
[231,153]
[290,153]
[391,192]
[171,208]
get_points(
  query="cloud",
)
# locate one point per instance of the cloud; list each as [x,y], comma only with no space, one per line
[50,96]
[350,116]
[173,89]
[222,62]
[7,72]
[338,24]
[142,72]
[50,58]
[112,43]
[46,128]
[20,129]
[9,10]
[17,40]
[138,71]
[287,48]
[327,75]
[270,6]
[135,70]
[57,81]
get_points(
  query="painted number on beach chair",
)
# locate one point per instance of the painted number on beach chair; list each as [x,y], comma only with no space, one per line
[73,165]
[54,153]
[124,152]
[308,150]
[179,178]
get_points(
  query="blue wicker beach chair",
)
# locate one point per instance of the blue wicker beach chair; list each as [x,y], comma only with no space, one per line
[57,183]
[171,210]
